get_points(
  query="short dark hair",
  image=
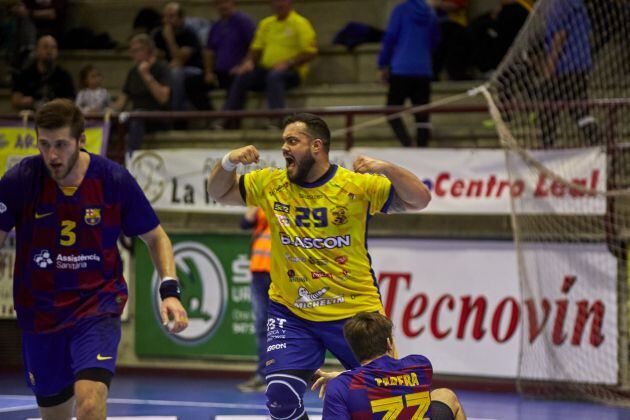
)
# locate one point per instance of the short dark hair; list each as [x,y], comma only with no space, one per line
[60,113]
[367,334]
[84,73]
[316,127]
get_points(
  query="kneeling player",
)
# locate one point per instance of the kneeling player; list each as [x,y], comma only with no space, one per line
[383,386]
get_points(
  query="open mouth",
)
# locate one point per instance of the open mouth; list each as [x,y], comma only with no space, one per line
[290,161]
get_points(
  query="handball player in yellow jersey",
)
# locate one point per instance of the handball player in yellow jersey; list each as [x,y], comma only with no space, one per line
[320,268]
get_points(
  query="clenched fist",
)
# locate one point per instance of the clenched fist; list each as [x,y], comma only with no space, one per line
[367,165]
[244,155]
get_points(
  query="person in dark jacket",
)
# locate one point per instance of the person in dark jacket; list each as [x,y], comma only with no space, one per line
[43,80]
[405,63]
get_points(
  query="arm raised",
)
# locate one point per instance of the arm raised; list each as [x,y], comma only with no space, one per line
[223,181]
[411,193]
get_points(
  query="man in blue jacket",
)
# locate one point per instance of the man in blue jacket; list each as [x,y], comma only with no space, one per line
[405,63]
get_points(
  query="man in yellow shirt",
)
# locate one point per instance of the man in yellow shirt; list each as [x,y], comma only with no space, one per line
[320,268]
[278,57]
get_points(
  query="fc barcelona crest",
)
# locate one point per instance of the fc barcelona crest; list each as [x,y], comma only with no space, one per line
[92,216]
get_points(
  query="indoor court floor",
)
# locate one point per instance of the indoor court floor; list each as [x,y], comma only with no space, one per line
[149,397]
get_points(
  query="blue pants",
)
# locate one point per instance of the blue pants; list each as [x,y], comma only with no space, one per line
[260,304]
[273,82]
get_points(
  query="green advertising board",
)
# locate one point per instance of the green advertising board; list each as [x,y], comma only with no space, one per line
[215,284]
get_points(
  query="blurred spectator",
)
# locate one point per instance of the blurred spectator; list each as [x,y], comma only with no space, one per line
[21,38]
[182,50]
[260,265]
[405,63]
[567,68]
[453,53]
[92,97]
[43,80]
[228,42]
[49,16]
[278,57]
[492,34]
[146,21]
[147,87]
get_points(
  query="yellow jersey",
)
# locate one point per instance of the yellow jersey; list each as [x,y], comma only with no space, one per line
[320,267]
[280,40]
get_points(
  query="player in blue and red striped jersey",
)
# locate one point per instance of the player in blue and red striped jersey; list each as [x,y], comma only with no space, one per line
[68,208]
[384,387]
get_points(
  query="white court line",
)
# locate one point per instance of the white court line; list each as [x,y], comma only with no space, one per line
[135,401]
[18,408]
[187,403]
[182,404]
[127,418]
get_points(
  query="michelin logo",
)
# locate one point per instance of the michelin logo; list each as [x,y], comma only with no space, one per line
[330,242]
[314,300]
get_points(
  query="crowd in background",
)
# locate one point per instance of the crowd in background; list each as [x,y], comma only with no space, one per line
[178,60]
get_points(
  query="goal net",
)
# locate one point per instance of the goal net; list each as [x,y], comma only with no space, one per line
[559,102]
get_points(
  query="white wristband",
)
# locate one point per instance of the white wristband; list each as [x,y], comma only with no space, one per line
[227,164]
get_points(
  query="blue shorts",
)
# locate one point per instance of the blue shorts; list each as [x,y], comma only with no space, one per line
[294,343]
[52,360]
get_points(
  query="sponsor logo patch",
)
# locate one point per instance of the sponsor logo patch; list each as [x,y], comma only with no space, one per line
[43,259]
[283,219]
[342,259]
[293,259]
[293,278]
[307,299]
[330,242]
[340,217]
[281,207]
[278,346]
[318,261]
[320,275]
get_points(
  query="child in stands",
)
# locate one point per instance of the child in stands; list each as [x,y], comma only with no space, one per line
[92,97]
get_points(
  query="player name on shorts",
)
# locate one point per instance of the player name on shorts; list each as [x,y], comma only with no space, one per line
[330,242]
[399,380]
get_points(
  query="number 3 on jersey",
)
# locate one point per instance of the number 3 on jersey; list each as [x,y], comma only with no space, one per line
[393,406]
[303,217]
[67,237]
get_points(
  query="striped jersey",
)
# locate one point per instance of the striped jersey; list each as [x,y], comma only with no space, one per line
[67,264]
[385,388]
[320,267]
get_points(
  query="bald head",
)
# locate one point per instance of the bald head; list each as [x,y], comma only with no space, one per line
[46,51]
